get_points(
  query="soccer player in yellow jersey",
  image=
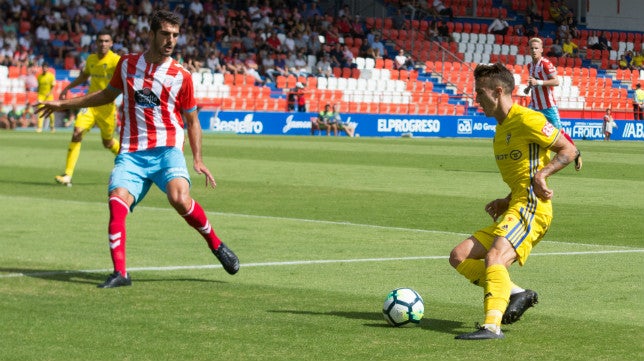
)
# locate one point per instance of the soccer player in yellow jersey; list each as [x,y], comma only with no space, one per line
[99,69]
[522,145]
[46,82]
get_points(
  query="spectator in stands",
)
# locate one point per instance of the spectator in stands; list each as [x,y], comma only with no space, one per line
[269,67]
[399,19]
[213,61]
[530,29]
[623,63]
[559,12]
[443,31]
[357,27]
[535,13]
[638,60]
[599,42]
[556,50]
[378,47]
[638,103]
[570,48]
[347,56]
[323,66]
[401,61]
[499,26]
[441,9]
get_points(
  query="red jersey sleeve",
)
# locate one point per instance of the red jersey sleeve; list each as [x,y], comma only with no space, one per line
[186,96]
[117,79]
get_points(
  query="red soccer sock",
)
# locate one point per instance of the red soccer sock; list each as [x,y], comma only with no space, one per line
[567,137]
[196,217]
[118,211]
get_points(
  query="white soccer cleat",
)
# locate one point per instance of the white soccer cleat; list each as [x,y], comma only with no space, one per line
[64,179]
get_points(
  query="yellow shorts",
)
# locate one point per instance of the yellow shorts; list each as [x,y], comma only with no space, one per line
[104,117]
[524,228]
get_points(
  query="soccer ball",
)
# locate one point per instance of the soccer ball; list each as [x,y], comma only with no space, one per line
[403,308]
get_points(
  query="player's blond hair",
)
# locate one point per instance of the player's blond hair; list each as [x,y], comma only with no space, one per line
[535,40]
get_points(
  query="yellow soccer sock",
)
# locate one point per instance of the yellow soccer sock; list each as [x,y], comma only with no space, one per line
[72,157]
[497,293]
[115,147]
[40,121]
[473,270]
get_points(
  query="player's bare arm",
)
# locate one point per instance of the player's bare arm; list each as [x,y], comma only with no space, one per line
[565,153]
[82,78]
[194,136]
[102,97]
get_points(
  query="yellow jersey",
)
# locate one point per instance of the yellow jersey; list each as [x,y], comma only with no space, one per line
[100,70]
[46,82]
[521,145]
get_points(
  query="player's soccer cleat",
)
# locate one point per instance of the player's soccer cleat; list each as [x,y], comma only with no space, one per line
[481,333]
[519,303]
[578,162]
[64,179]
[227,258]
[116,280]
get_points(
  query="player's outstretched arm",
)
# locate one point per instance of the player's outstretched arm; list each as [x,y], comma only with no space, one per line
[95,99]
[194,136]
[565,153]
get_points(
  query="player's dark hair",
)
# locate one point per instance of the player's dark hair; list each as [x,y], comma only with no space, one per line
[163,16]
[104,32]
[498,73]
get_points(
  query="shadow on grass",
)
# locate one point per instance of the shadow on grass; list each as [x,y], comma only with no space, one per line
[93,278]
[434,324]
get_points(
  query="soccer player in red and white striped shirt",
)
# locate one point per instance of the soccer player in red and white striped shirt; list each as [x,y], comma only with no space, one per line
[157,98]
[542,80]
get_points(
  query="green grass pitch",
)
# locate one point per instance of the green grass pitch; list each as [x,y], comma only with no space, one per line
[324,227]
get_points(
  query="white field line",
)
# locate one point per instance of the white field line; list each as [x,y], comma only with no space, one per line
[311,262]
[300,263]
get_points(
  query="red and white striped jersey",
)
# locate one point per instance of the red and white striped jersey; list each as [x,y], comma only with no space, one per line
[154,96]
[542,96]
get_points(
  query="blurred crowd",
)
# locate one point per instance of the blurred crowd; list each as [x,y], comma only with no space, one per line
[263,38]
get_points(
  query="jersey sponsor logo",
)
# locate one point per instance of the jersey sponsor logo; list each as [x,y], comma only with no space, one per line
[548,129]
[146,98]
[513,155]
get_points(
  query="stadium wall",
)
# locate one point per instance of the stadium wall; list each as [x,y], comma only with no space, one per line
[391,125]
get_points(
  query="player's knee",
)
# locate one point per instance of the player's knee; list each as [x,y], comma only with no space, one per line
[455,258]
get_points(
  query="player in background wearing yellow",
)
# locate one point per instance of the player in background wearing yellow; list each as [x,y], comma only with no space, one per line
[522,145]
[46,82]
[99,69]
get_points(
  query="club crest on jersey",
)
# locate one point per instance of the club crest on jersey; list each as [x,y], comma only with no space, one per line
[146,98]
[507,138]
[548,129]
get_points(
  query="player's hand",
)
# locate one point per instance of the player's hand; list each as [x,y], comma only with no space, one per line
[201,168]
[47,108]
[497,207]
[540,187]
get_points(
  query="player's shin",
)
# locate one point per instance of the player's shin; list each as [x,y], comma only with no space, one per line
[196,218]
[116,230]
[497,295]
